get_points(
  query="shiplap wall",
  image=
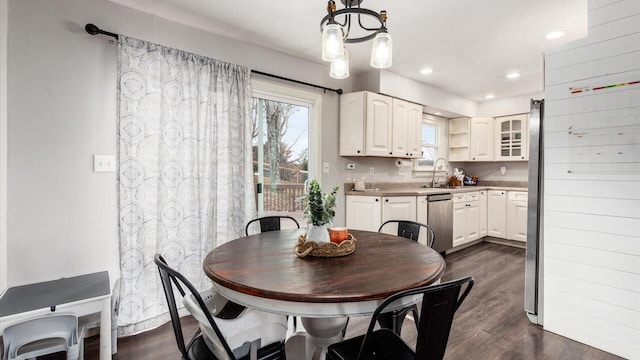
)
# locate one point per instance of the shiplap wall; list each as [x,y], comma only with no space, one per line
[591,210]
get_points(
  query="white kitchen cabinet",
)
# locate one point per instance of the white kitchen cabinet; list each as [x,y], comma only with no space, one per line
[414,136]
[377,125]
[398,208]
[466,217]
[352,113]
[459,139]
[481,146]
[422,217]
[497,213]
[517,216]
[511,137]
[482,208]
[363,212]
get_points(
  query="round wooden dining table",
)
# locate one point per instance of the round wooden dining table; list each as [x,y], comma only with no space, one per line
[262,271]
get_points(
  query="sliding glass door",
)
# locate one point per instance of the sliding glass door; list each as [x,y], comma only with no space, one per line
[282,149]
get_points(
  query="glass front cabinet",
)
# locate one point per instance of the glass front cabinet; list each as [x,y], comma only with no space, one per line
[511,137]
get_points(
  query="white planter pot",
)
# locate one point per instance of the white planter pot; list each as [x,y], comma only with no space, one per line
[318,234]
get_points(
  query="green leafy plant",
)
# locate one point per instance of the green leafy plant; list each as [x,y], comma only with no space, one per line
[320,207]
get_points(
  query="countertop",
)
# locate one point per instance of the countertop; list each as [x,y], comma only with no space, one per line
[420,191]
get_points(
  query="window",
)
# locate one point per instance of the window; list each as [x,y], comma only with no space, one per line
[434,143]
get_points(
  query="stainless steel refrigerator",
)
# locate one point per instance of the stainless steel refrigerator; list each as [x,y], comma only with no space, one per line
[533,266]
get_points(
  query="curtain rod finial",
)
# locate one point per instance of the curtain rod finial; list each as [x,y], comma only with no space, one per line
[92,29]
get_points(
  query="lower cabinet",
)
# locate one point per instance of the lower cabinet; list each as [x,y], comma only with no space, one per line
[517,215]
[476,214]
[364,212]
[369,212]
[466,217]
[398,208]
[497,208]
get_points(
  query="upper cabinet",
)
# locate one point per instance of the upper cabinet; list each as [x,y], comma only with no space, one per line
[488,139]
[511,137]
[377,125]
[459,139]
[481,139]
[470,139]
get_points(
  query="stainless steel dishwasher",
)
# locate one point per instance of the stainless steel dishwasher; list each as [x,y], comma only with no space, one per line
[440,217]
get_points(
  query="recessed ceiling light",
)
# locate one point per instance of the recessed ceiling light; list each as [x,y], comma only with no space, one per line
[513,75]
[438,113]
[555,34]
[489,96]
[426,71]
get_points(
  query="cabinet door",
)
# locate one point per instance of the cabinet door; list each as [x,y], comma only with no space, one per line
[482,209]
[421,217]
[352,108]
[511,137]
[399,208]
[364,212]
[459,223]
[482,139]
[378,125]
[517,224]
[473,221]
[414,135]
[497,208]
[400,128]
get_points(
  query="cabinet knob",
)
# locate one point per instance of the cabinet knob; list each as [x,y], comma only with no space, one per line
[358,151]
[386,200]
[376,200]
[390,152]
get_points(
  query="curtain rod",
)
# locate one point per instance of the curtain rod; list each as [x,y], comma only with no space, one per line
[94,30]
[337,91]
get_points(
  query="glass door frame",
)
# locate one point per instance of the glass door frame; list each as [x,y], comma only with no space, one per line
[261,88]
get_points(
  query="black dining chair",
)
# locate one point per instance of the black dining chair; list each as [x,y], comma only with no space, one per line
[411,230]
[439,304]
[270,223]
[200,347]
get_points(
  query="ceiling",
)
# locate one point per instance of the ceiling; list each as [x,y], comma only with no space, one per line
[471,45]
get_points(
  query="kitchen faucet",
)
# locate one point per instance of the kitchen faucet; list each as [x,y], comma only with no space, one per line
[433,176]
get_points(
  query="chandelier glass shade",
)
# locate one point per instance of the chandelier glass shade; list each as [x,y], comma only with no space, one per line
[336,29]
[340,66]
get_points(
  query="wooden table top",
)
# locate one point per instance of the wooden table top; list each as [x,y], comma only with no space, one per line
[265,266]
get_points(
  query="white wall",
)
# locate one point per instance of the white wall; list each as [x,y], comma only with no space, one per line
[3,145]
[591,219]
[507,106]
[62,217]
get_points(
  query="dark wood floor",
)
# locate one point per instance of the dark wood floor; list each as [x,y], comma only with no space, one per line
[490,324]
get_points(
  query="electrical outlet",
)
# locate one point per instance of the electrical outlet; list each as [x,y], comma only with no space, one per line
[371,171]
[351,166]
[104,163]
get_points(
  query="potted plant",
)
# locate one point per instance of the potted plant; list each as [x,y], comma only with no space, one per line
[320,211]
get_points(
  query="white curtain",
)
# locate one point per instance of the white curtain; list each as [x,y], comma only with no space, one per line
[185,179]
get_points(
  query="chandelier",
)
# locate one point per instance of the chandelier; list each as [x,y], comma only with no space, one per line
[336,31]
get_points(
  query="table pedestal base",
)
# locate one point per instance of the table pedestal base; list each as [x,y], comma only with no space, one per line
[322,332]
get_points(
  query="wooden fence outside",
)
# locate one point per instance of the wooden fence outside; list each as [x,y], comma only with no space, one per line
[283,197]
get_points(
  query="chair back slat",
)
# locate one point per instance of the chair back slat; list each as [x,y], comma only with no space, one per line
[270,223]
[411,230]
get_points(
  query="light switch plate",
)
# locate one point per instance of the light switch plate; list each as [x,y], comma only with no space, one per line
[104,163]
